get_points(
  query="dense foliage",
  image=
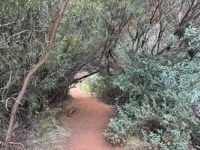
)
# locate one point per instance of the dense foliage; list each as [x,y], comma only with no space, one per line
[22,45]
[139,48]
[160,101]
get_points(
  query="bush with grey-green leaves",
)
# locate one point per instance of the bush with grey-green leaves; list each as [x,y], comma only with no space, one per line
[160,96]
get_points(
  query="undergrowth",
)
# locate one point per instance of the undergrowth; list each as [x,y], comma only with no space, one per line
[159,103]
[46,132]
[163,99]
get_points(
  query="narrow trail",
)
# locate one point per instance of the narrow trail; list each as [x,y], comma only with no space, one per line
[87,122]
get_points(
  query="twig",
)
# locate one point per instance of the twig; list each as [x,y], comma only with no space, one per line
[85,76]
[18,33]
[7,102]
[197,146]
[6,88]
[22,146]
[30,74]
[10,23]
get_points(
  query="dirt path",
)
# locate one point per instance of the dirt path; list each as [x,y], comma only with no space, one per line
[87,123]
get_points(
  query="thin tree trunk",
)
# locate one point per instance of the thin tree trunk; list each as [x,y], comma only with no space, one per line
[30,74]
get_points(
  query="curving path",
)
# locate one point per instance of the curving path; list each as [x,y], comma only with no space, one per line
[87,123]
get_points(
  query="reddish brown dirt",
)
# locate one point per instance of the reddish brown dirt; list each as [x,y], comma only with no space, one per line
[87,123]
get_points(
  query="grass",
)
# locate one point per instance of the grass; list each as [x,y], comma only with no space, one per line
[47,134]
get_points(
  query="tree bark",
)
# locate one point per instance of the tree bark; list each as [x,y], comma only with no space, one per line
[30,74]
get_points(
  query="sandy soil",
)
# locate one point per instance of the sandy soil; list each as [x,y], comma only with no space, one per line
[87,123]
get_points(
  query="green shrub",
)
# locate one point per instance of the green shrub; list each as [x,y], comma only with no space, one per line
[159,103]
[192,36]
[46,133]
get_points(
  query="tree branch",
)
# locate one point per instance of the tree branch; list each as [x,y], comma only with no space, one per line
[30,74]
[85,76]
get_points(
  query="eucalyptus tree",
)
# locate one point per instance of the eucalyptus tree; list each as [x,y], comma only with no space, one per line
[30,74]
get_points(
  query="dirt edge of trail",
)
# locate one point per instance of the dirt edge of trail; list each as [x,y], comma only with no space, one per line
[87,118]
